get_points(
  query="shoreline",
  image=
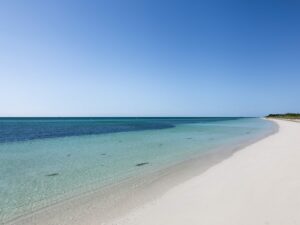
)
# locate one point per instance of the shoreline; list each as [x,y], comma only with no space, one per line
[102,206]
[258,185]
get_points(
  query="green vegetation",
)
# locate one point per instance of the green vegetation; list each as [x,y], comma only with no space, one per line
[285,116]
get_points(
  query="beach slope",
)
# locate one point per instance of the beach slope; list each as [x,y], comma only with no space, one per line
[257,185]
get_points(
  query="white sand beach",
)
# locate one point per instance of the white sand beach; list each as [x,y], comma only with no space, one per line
[258,185]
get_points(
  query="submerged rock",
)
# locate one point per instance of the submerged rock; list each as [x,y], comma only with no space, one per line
[52,174]
[142,164]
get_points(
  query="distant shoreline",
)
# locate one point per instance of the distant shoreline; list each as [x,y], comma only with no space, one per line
[288,116]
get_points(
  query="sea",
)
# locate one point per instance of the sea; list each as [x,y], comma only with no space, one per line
[49,160]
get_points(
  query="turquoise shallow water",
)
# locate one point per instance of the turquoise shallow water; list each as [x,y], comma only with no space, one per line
[40,170]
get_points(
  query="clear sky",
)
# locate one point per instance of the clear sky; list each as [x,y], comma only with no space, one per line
[149,58]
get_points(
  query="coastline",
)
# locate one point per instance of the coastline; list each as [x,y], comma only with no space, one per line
[103,206]
[258,185]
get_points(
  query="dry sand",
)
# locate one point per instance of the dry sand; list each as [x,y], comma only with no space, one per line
[258,185]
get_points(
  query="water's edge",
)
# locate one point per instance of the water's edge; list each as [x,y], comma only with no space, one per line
[116,200]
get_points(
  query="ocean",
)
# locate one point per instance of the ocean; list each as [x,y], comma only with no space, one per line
[46,160]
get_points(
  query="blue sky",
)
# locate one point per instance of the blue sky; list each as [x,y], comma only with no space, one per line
[149,58]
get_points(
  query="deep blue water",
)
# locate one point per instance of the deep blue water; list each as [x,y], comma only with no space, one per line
[22,129]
